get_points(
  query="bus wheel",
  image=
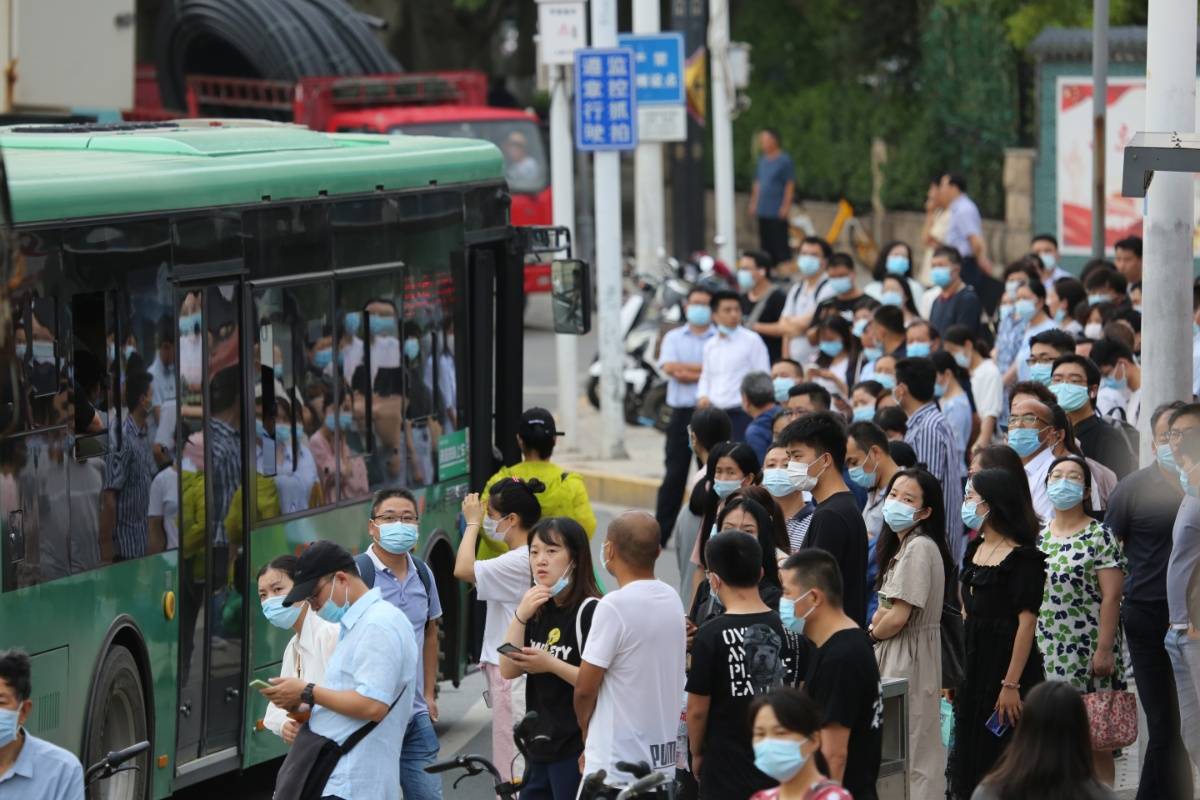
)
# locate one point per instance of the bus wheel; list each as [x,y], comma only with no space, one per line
[117,719]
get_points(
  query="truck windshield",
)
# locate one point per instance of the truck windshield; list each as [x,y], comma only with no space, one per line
[524,155]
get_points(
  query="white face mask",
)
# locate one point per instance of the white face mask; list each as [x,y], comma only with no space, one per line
[1093,330]
[491,528]
[801,479]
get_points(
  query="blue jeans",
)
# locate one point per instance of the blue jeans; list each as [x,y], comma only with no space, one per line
[420,749]
[551,780]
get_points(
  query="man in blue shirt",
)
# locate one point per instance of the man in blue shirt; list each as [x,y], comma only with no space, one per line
[373,666]
[407,583]
[30,767]
[680,357]
[771,196]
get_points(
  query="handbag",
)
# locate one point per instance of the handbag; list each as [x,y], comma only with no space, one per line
[313,758]
[954,649]
[1112,717]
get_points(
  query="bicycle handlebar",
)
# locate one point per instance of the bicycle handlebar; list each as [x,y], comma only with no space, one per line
[639,786]
[110,763]
[638,769]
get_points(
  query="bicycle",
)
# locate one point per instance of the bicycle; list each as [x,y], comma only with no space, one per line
[645,781]
[111,764]
[477,765]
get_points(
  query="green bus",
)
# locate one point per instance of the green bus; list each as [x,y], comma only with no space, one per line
[317,316]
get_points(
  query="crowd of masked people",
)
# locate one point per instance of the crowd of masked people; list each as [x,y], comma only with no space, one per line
[856,491]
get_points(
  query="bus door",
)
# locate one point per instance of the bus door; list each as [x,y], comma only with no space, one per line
[212,418]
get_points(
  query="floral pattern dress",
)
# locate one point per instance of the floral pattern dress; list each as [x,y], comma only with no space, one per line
[1068,628]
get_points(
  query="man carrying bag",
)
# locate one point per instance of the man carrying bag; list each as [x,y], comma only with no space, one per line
[350,747]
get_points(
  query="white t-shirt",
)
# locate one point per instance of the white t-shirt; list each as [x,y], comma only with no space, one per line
[501,581]
[987,385]
[164,502]
[803,299]
[638,636]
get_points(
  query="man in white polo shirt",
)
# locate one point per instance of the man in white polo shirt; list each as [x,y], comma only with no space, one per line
[728,357]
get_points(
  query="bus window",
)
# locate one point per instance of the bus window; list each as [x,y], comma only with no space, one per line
[288,479]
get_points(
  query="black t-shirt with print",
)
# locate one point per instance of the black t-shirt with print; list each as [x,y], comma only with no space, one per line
[734,658]
[843,678]
[553,629]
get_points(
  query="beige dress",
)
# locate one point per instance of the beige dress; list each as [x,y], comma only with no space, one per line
[916,576]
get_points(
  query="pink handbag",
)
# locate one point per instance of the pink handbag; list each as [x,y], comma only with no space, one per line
[1112,717]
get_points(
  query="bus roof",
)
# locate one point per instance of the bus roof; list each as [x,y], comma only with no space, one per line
[73,172]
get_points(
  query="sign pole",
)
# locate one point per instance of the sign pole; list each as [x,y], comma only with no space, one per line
[649,202]
[1167,264]
[1099,109]
[722,100]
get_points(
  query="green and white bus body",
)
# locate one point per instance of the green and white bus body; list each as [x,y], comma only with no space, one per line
[268,259]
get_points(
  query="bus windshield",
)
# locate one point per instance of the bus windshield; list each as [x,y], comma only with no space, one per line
[524,156]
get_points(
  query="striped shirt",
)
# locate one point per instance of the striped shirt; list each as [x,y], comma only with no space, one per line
[129,471]
[797,526]
[930,437]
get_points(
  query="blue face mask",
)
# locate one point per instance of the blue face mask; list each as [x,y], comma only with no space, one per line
[383,325]
[1097,299]
[1049,260]
[962,359]
[562,583]
[1041,373]
[189,324]
[833,349]
[10,724]
[898,516]
[860,327]
[1064,494]
[1119,384]
[861,476]
[278,370]
[727,330]
[699,315]
[939,390]
[864,413]
[841,284]
[1059,316]
[398,537]
[897,265]
[1070,396]
[279,616]
[352,322]
[745,279]
[940,276]
[1024,309]
[787,614]
[323,358]
[725,488]
[345,418]
[1024,440]
[885,380]
[917,350]
[809,265]
[891,299]
[283,432]
[782,387]
[970,516]
[873,354]
[1166,457]
[777,482]
[330,612]
[781,759]
[412,348]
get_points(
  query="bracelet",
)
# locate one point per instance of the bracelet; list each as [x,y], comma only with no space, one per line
[517,617]
[1009,685]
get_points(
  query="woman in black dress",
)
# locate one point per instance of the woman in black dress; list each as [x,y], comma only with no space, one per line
[1003,579]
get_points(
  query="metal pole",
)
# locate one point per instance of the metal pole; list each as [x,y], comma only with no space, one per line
[607,165]
[649,204]
[722,100]
[1099,108]
[562,179]
[1167,262]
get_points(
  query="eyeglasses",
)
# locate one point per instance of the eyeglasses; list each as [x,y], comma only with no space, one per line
[1076,380]
[1026,421]
[387,519]
[1175,435]
[1032,360]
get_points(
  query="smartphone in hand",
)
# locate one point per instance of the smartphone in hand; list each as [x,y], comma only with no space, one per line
[508,649]
[259,684]
[995,726]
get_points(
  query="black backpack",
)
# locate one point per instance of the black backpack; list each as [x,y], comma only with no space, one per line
[1116,419]
[366,571]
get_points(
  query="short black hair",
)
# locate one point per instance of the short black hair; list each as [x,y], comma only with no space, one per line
[960,335]
[890,317]
[1131,243]
[956,179]
[1057,338]
[721,295]
[774,134]
[1071,291]
[820,430]
[698,289]
[1185,410]
[826,249]
[867,435]
[1107,279]
[840,260]
[903,454]
[388,494]
[919,375]
[136,385]
[1089,368]
[1107,352]
[1165,408]
[949,253]
[1034,388]
[817,569]
[892,418]
[15,671]
[1045,237]
[736,557]
[815,391]
[761,259]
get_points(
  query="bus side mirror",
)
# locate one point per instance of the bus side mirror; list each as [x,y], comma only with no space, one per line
[571,296]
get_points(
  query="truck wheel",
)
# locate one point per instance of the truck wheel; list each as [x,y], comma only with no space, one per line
[116,719]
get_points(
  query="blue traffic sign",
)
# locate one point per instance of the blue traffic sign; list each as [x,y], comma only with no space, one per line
[658,64]
[605,105]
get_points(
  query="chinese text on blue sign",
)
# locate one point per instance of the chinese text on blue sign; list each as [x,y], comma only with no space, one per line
[658,64]
[605,107]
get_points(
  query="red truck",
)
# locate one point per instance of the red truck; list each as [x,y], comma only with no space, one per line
[424,104]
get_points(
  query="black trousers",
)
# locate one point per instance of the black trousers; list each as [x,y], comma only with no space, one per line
[773,238]
[677,458]
[1167,772]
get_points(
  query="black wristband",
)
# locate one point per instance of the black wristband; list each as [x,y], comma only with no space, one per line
[306,696]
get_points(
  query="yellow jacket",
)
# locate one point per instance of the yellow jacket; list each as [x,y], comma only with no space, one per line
[565,496]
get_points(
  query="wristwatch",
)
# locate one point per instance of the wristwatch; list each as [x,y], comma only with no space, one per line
[307,695]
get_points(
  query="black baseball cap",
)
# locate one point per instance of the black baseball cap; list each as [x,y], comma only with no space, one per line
[537,421]
[318,560]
